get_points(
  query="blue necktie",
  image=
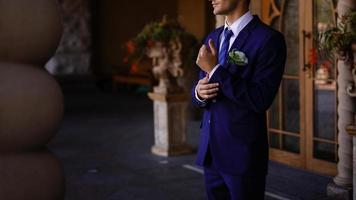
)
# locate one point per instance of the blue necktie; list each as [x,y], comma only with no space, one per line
[225,46]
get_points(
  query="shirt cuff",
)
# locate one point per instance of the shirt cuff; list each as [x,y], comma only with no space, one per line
[214,69]
[197,97]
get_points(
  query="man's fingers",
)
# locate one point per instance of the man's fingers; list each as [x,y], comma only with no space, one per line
[209,86]
[210,91]
[210,96]
[200,51]
[206,76]
[203,51]
[203,81]
[206,79]
[212,47]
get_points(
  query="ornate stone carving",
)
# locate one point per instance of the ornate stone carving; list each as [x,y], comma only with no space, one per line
[170,100]
[351,88]
[166,61]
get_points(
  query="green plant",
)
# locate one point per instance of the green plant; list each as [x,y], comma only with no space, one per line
[339,39]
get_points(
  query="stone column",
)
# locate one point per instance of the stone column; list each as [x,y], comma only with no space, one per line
[342,185]
[31,102]
[351,129]
[346,108]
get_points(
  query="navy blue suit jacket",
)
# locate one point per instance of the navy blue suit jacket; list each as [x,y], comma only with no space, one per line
[234,123]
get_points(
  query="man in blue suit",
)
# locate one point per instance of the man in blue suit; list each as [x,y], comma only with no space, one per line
[242,65]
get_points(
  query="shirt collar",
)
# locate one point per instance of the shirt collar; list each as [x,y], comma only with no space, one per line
[240,23]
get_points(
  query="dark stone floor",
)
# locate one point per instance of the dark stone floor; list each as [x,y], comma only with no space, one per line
[104,145]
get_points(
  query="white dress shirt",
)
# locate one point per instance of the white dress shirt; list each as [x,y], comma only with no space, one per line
[236,28]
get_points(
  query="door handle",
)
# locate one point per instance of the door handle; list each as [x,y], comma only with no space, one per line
[306,65]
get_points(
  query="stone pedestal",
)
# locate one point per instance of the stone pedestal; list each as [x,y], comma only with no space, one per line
[170,124]
[339,192]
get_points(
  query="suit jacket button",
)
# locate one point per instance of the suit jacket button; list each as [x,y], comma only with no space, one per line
[214,100]
[209,121]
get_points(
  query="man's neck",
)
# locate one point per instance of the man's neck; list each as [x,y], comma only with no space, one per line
[236,14]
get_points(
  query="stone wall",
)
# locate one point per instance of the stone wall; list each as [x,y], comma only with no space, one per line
[74,53]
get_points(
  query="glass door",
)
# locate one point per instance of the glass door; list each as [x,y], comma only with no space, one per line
[285,117]
[321,94]
[302,119]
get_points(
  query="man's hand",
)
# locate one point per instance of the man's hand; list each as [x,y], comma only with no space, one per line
[205,90]
[206,59]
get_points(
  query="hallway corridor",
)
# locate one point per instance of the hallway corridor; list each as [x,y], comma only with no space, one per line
[104,145]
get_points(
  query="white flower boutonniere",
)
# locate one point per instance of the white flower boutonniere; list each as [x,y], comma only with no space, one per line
[237,57]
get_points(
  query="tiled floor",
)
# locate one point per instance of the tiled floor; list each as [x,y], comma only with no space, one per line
[104,145]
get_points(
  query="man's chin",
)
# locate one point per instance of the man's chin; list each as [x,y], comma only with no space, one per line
[219,12]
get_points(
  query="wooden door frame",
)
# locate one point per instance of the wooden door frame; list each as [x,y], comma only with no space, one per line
[313,164]
[289,158]
[304,159]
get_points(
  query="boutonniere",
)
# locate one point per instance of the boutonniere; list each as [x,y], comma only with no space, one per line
[237,57]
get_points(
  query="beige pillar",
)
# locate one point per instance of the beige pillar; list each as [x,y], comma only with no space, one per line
[351,128]
[31,101]
[346,110]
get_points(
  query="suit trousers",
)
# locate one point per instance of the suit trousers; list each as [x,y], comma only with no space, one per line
[222,186]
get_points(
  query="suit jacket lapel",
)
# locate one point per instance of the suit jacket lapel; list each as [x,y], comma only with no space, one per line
[240,40]
[243,35]
[216,38]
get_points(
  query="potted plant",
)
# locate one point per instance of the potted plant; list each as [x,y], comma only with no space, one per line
[341,41]
[171,49]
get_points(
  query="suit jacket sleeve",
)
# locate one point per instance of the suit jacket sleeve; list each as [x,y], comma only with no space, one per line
[195,101]
[256,93]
